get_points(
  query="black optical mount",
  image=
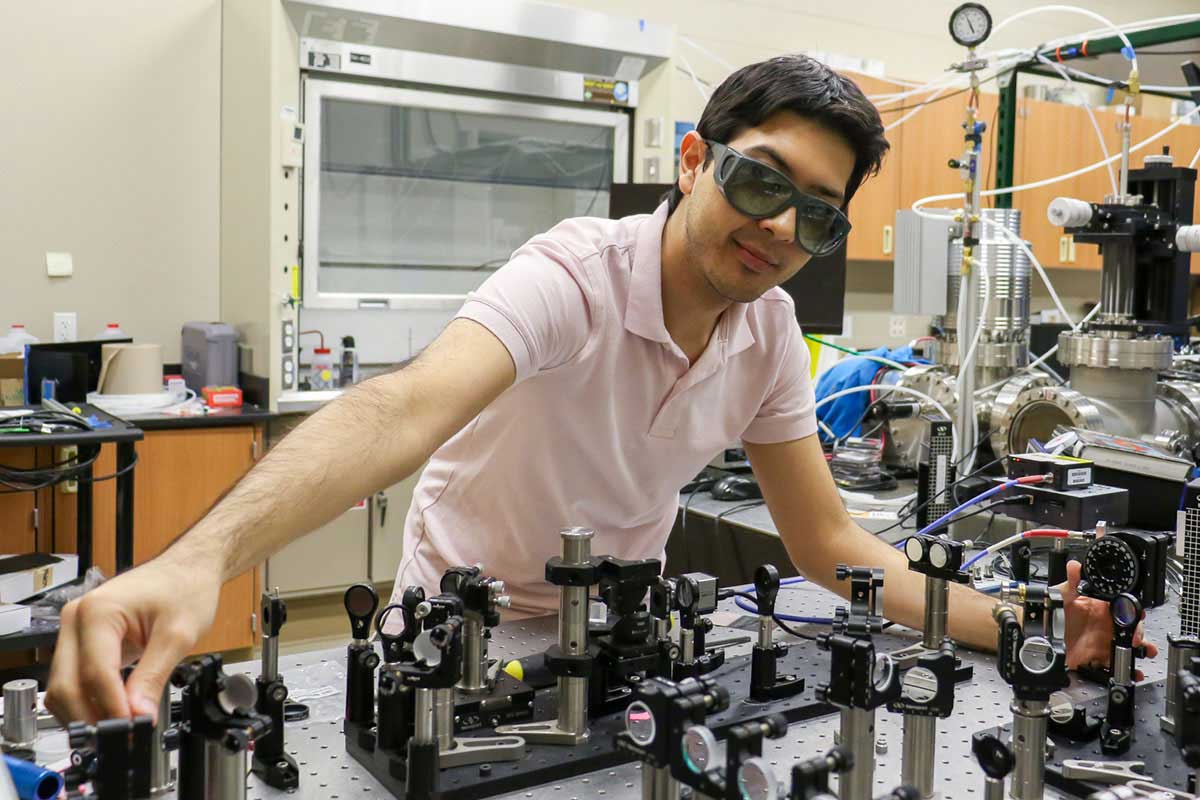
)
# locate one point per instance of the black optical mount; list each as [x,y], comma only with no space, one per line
[626,646]
[765,682]
[216,723]
[691,591]
[1033,673]
[673,708]
[360,601]
[853,682]
[1187,718]
[1117,733]
[114,755]
[995,759]
[866,590]
[743,743]
[810,777]
[440,668]
[272,763]
[929,701]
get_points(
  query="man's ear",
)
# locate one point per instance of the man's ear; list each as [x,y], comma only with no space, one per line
[692,151]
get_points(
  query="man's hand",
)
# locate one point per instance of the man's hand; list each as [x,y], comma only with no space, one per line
[1089,633]
[156,613]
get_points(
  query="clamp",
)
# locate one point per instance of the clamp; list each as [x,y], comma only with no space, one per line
[860,682]
[695,595]
[1117,733]
[1035,665]
[360,601]
[218,726]
[627,643]
[765,684]
[810,778]
[996,760]
[394,711]
[272,763]
[482,598]
[1187,720]
[116,755]
[866,600]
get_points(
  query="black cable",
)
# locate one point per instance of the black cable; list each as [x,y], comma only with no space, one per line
[133,462]
[789,630]
[909,514]
[983,509]
[725,594]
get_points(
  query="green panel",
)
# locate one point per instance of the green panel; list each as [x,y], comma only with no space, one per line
[1006,139]
[1150,37]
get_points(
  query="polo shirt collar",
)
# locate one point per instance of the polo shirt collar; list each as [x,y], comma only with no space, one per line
[643,305]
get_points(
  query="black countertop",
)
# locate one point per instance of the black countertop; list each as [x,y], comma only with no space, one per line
[248,414]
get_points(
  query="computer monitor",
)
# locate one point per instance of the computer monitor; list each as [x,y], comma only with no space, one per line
[74,365]
[819,290]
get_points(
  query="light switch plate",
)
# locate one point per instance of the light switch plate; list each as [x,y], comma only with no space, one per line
[897,327]
[66,326]
[59,265]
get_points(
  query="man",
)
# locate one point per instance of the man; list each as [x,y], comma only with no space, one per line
[581,385]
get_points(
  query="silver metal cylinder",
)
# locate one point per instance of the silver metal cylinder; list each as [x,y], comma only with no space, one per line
[573,631]
[1131,394]
[224,772]
[920,741]
[657,783]
[662,628]
[1179,652]
[1118,278]
[424,731]
[937,599]
[474,656]
[766,632]
[1122,666]
[993,789]
[1029,749]
[162,779]
[858,734]
[443,717]
[270,658]
[687,646]
[20,714]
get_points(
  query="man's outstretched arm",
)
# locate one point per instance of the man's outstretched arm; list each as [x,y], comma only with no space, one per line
[375,435]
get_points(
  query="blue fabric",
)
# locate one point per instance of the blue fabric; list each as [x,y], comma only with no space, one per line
[843,415]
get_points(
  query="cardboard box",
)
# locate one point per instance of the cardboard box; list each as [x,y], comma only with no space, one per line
[25,575]
[14,618]
[12,380]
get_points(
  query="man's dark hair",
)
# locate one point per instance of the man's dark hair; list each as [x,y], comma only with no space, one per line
[806,87]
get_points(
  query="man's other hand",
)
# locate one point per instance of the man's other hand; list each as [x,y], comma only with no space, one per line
[1089,633]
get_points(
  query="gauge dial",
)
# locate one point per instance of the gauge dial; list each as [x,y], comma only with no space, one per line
[699,745]
[1110,568]
[639,723]
[970,24]
[756,781]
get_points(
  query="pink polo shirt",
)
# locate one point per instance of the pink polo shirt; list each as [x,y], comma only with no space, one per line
[606,420]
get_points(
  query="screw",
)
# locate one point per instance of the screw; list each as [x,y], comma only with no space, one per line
[881,745]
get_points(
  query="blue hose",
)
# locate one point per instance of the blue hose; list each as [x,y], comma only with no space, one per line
[33,782]
[995,490]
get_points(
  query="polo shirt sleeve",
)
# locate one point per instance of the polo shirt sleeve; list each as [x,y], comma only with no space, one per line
[788,410]
[539,305]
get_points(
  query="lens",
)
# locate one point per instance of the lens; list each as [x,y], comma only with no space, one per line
[820,227]
[881,672]
[1125,610]
[699,744]
[755,780]
[914,549]
[639,723]
[754,189]
[1037,655]
[939,555]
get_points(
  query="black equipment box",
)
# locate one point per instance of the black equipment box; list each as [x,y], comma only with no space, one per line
[1067,472]
[1074,509]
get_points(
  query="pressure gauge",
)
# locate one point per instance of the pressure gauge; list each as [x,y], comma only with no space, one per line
[970,24]
[639,723]
[699,746]
[1110,568]
[756,781]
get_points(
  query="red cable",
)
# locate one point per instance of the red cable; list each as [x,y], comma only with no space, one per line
[1032,479]
[1045,533]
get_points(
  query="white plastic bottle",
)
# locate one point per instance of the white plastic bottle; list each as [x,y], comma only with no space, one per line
[17,338]
[321,376]
[112,331]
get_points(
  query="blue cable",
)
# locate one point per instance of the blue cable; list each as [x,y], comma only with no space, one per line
[995,490]
[745,605]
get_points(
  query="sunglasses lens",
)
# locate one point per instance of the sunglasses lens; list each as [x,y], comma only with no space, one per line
[820,228]
[755,191]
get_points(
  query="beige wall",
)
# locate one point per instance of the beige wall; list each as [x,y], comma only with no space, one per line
[109,150]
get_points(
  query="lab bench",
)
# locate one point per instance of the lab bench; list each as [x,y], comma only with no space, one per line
[327,771]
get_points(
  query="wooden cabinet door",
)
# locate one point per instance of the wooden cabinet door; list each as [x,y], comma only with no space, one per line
[180,475]
[1053,139]
[872,212]
[934,136]
[18,510]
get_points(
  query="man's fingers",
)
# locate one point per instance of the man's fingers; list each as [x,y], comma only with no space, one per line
[101,632]
[1074,574]
[64,699]
[168,644]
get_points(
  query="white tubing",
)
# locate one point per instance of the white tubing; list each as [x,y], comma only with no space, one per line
[888,387]
[1112,177]
[692,73]
[1195,158]
[939,198]
[1105,21]
[912,112]
[1187,238]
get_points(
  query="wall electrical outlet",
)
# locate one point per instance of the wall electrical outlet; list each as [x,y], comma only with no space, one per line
[66,326]
[897,327]
[67,457]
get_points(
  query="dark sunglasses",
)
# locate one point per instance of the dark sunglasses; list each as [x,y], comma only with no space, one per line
[762,192]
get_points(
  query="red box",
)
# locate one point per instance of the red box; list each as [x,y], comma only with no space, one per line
[222,396]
